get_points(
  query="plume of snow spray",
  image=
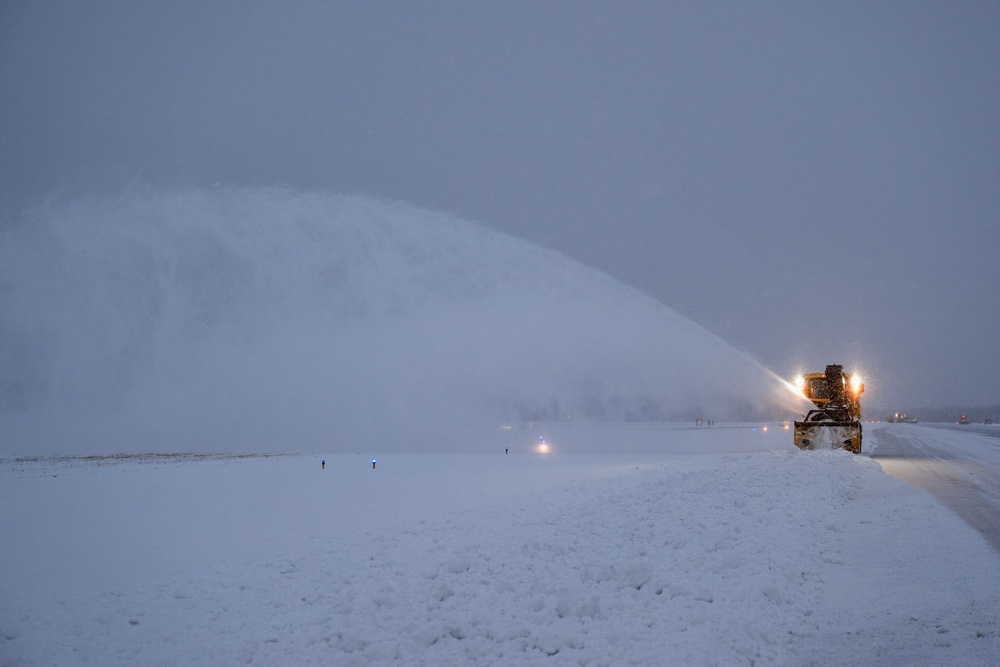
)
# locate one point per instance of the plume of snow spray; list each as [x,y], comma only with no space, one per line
[269,319]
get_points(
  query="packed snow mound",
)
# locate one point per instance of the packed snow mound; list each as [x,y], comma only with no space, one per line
[268,319]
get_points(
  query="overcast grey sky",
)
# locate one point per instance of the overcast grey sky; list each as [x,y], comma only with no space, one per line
[814,182]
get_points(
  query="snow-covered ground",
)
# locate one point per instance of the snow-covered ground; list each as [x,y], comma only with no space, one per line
[711,546]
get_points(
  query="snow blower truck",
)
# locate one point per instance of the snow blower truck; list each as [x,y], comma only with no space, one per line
[836,420]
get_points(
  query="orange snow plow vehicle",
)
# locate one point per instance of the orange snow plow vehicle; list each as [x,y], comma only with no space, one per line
[835,422]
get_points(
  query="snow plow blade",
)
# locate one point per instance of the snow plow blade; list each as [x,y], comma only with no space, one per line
[828,435]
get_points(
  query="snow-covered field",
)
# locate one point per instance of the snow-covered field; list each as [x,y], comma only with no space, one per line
[712,546]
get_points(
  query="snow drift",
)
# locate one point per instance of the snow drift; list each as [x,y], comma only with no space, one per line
[270,319]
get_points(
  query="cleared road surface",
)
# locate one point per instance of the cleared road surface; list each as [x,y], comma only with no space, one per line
[959,465]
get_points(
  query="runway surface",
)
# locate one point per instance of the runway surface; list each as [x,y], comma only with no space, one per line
[959,465]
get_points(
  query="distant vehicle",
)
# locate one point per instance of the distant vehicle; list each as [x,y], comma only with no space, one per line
[987,421]
[963,420]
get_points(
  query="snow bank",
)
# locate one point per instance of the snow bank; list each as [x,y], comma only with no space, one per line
[719,558]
